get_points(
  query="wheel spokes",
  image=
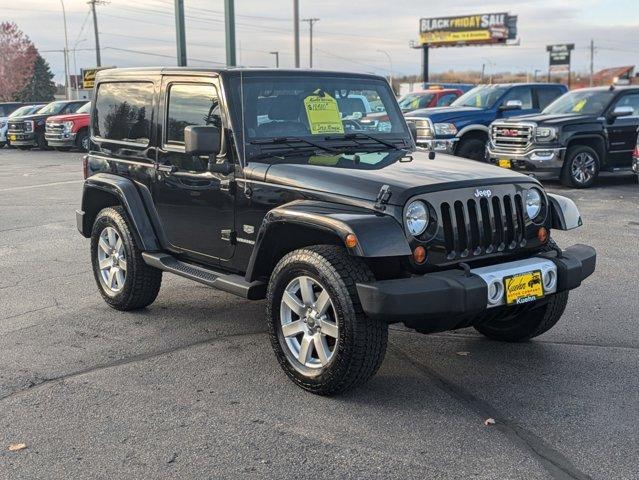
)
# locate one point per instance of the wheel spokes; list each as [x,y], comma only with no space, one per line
[329,328]
[306,347]
[293,328]
[321,347]
[106,263]
[323,302]
[293,303]
[104,245]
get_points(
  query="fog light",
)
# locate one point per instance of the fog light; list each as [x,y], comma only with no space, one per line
[549,280]
[419,255]
[350,241]
[542,235]
[495,292]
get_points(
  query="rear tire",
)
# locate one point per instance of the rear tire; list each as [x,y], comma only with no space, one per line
[529,324]
[330,346]
[472,148]
[125,281]
[581,167]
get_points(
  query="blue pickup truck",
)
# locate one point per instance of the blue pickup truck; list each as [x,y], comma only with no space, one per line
[462,128]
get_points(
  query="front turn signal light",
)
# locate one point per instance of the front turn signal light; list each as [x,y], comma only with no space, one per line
[542,235]
[419,255]
[351,240]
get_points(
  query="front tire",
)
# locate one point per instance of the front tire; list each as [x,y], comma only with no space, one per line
[321,337]
[581,167]
[125,281]
[525,325]
[472,148]
[82,141]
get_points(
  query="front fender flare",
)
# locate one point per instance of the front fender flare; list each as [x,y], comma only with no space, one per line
[378,235]
[564,213]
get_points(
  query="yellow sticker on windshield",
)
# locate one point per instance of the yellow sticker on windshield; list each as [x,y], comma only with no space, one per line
[477,100]
[323,114]
[579,105]
[324,160]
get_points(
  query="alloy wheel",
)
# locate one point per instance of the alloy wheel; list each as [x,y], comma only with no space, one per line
[85,143]
[583,168]
[308,323]
[111,260]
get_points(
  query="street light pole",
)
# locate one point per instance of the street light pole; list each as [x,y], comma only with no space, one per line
[180,33]
[310,21]
[67,84]
[229,22]
[98,62]
[277,58]
[390,60]
[296,31]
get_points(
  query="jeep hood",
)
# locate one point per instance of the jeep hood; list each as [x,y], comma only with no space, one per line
[405,177]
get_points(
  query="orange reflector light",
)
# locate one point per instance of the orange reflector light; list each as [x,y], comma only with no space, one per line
[419,254]
[350,240]
[542,235]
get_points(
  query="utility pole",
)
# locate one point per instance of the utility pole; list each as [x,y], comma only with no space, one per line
[296,30]
[277,58]
[483,69]
[310,21]
[180,33]
[229,22]
[535,74]
[98,63]
[67,83]
[592,59]
[390,61]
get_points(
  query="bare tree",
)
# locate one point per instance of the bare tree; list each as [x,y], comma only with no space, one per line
[16,62]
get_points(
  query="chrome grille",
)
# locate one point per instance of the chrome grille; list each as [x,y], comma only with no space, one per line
[54,128]
[482,226]
[16,127]
[511,137]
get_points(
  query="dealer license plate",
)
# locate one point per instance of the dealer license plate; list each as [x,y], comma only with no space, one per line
[523,287]
[504,163]
[12,138]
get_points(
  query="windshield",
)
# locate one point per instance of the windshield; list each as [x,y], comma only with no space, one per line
[482,96]
[415,100]
[591,102]
[26,110]
[52,108]
[86,108]
[318,108]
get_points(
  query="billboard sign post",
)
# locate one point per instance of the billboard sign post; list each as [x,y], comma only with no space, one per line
[559,59]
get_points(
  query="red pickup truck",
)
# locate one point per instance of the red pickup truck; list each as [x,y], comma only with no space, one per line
[64,132]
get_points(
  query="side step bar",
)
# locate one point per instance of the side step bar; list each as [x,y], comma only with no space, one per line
[235,284]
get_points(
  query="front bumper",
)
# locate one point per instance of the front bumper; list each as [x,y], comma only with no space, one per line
[22,139]
[446,145]
[445,297]
[538,161]
[60,139]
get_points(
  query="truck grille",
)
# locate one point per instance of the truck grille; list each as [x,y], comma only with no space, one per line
[16,127]
[54,128]
[511,137]
[482,226]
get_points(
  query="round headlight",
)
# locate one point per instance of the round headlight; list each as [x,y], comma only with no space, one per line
[533,203]
[416,218]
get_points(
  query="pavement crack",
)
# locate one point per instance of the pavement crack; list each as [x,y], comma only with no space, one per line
[38,383]
[554,462]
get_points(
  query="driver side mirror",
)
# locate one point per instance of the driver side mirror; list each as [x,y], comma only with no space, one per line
[622,111]
[512,105]
[202,140]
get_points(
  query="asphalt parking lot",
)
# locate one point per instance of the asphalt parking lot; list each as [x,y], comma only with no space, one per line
[189,387]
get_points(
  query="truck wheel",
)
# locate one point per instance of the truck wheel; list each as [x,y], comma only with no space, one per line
[526,325]
[82,141]
[321,337]
[472,148]
[124,280]
[581,167]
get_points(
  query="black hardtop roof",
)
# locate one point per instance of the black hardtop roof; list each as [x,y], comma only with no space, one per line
[114,73]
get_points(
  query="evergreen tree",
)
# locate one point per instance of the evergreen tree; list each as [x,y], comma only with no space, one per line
[40,87]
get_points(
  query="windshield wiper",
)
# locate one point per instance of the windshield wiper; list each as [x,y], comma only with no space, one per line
[361,135]
[289,140]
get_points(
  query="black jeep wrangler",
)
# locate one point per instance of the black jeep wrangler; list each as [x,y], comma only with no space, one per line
[274,184]
[580,134]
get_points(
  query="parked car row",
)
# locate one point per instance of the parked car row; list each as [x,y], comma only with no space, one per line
[539,129]
[62,125]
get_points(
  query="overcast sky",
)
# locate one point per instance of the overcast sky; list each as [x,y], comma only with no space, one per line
[349,35]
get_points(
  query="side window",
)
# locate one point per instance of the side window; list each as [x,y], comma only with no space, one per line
[446,100]
[630,100]
[123,112]
[424,101]
[523,94]
[190,104]
[547,95]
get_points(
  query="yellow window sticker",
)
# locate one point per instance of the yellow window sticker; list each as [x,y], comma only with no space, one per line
[324,160]
[323,114]
[579,105]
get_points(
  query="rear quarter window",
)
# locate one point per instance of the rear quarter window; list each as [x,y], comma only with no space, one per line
[123,112]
